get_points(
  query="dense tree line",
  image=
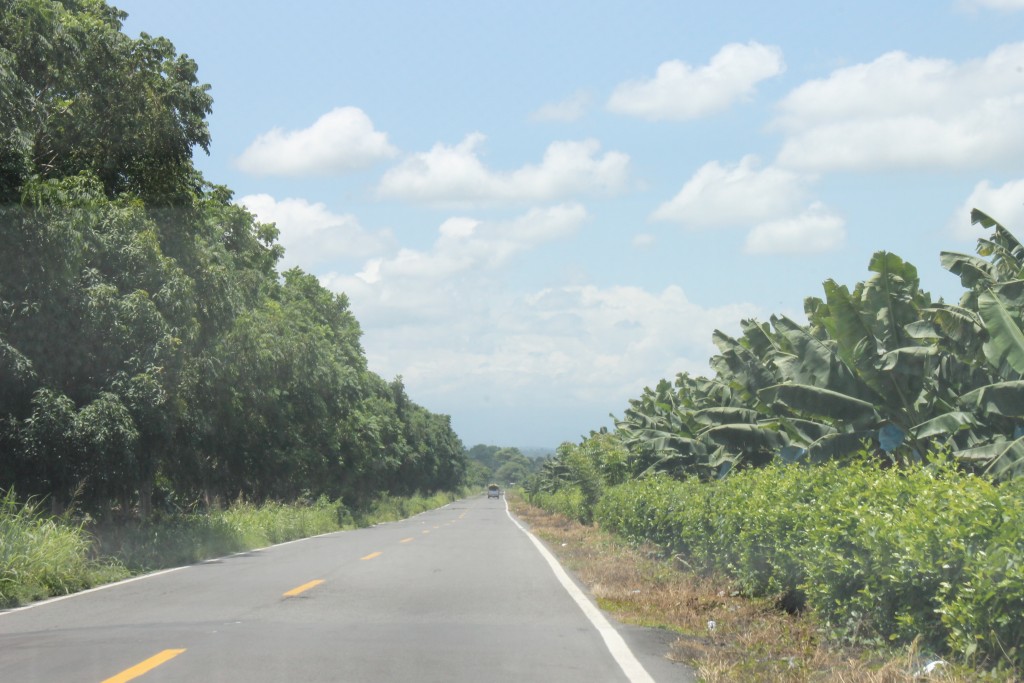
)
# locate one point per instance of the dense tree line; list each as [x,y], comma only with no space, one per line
[150,351]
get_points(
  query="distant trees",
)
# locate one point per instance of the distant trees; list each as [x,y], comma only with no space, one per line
[150,351]
[499,465]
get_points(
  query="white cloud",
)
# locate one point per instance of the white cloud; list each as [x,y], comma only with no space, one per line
[450,320]
[740,194]
[341,140]
[572,344]
[644,240]
[568,110]
[455,176]
[464,247]
[899,111]
[312,235]
[680,92]
[1003,5]
[1004,203]
[815,230]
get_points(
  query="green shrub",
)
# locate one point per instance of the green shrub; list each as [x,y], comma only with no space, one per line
[925,553]
[983,603]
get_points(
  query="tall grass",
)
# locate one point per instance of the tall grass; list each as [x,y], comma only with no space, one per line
[184,539]
[41,556]
[388,508]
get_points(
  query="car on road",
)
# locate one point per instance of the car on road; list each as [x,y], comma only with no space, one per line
[493,491]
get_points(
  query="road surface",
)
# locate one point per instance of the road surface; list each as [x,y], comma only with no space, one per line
[455,594]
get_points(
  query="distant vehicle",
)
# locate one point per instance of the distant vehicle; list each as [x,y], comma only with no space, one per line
[493,491]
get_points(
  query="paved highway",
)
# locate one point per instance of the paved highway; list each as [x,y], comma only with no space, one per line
[456,594]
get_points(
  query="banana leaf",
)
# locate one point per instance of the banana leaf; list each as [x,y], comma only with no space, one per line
[812,361]
[745,438]
[1004,398]
[947,423]
[804,431]
[1005,459]
[726,415]
[808,400]
[1000,309]
[969,268]
[838,446]
[962,325]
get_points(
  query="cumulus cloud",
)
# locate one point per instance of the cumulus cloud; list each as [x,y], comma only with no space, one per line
[815,230]
[456,176]
[739,194]
[312,235]
[341,140]
[568,110]
[1003,5]
[906,112]
[464,246]
[680,92]
[1004,203]
[579,344]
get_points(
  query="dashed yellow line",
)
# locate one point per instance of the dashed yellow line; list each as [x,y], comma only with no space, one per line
[303,588]
[143,667]
[372,555]
[406,540]
[425,531]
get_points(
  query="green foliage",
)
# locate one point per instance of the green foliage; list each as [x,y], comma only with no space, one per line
[151,354]
[506,466]
[42,556]
[877,363]
[884,555]
[572,482]
[180,539]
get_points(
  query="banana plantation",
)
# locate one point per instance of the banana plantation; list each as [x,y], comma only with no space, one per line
[880,366]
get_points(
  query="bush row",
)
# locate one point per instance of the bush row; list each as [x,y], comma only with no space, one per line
[888,555]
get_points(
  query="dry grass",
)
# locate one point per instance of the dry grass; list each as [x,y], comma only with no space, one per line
[751,640]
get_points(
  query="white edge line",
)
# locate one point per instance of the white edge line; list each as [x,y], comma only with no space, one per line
[59,598]
[625,658]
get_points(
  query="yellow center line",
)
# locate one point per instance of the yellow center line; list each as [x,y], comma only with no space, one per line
[406,540]
[303,588]
[425,531]
[142,667]
[372,555]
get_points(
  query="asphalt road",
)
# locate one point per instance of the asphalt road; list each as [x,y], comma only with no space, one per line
[456,594]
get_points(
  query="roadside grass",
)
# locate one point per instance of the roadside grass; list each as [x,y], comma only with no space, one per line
[722,635]
[392,508]
[42,556]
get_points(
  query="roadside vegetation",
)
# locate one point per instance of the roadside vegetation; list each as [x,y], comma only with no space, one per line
[863,468]
[722,634]
[44,556]
[152,354]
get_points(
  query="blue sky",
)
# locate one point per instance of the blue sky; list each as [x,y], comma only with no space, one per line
[539,208]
